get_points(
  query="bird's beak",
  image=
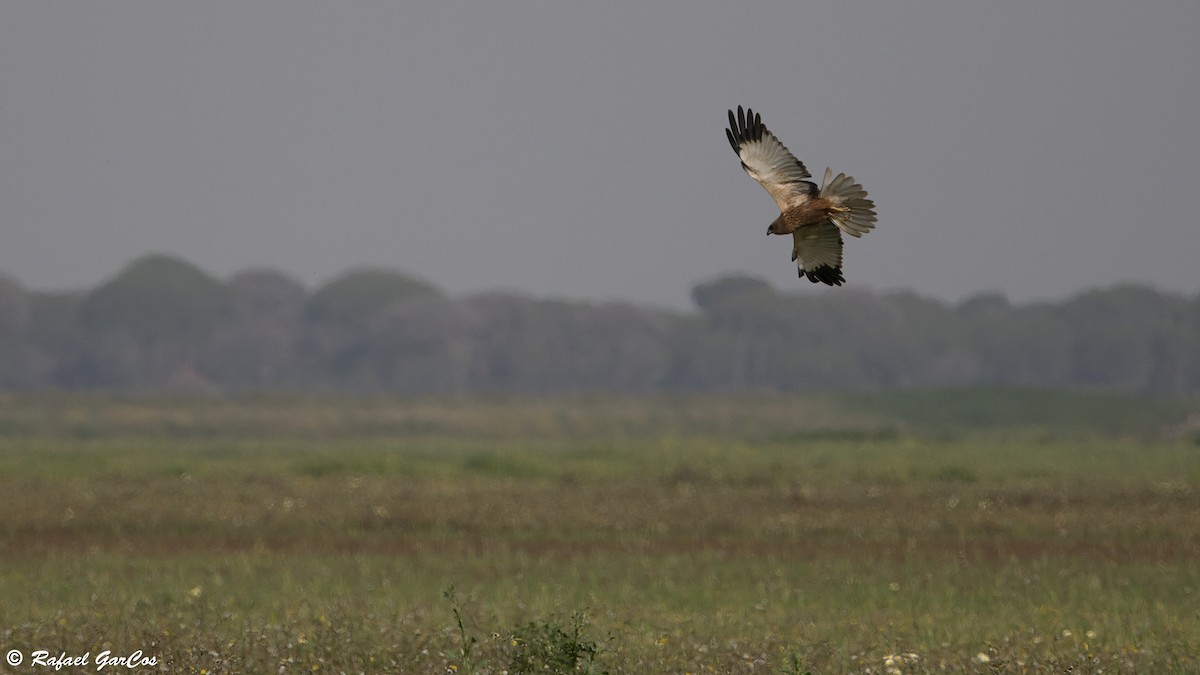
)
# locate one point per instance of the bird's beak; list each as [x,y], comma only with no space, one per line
[768,231]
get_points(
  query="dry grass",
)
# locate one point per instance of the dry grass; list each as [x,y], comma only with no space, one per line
[254,535]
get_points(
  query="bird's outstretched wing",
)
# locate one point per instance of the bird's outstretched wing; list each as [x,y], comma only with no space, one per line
[767,160]
[817,250]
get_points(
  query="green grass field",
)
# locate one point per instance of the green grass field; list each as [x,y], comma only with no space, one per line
[931,532]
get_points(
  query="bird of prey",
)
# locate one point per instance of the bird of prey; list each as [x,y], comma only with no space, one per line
[815,218]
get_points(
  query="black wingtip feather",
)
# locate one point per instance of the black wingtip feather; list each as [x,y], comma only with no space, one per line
[734,135]
[744,127]
[830,276]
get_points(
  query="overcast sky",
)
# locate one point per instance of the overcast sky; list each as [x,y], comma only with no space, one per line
[577,149]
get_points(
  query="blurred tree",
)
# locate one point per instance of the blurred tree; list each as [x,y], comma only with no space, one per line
[619,347]
[259,354]
[257,343]
[424,346]
[14,307]
[266,293]
[725,296]
[18,357]
[162,307]
[337,315]
[163,323]
[157,296]
[54,334]
[983,305]
[538,346]
[358,294]
[1127,338]
[1028,346]
[1190,346]
[744,317]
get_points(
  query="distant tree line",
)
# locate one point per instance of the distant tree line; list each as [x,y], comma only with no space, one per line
[162,324]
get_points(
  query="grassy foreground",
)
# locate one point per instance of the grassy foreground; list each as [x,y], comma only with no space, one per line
[602,535]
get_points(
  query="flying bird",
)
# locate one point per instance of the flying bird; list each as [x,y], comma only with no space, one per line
[815,218]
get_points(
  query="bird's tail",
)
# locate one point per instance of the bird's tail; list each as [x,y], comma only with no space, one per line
[852,212]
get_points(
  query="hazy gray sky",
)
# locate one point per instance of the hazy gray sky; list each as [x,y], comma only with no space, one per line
[577,150]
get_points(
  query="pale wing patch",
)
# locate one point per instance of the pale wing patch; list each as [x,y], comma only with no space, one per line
[817,250]
[767,161]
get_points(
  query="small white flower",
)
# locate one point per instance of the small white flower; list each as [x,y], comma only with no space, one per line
[982,658]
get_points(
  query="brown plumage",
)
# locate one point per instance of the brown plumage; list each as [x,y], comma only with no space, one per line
[814,217]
